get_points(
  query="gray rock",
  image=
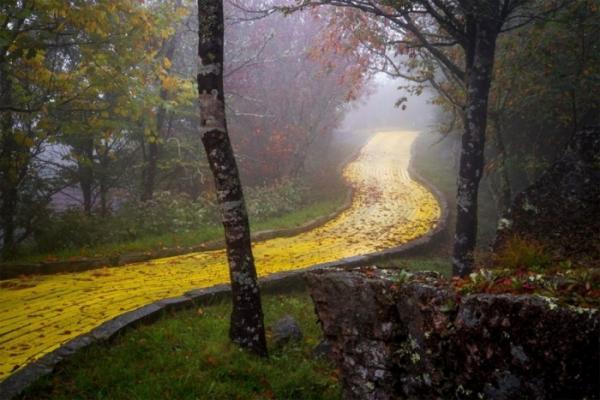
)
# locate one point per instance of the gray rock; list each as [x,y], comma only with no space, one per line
[414,338]
[286,330]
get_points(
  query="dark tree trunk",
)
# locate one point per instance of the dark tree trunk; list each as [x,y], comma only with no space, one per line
[7,212]
[247,327]
[8,170]
[479,76]
[502,190]
[103,199]
[103,182]
[150,172]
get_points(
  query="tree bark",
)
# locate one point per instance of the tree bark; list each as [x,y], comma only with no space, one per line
[8,169]
[479,76]
[247,326]
[503,191]
[103,185]
[149,174]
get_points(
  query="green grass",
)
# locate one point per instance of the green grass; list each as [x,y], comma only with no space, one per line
[436,264]
[188,356]
[185,239]
[299,217]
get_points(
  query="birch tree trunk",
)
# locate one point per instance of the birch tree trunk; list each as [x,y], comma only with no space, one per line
[247,326]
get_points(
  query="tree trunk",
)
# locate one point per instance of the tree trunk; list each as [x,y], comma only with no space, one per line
[9,206]
[103,182]
[149,174]
[247,327]
[479,76]
[503,191]
[161,115]
[8,170]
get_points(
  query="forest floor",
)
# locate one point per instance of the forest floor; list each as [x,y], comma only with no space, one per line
[39,313]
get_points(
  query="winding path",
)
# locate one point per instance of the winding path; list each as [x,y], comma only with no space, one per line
[39,313]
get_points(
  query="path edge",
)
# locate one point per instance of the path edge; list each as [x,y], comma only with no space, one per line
[11,271]
[20,380]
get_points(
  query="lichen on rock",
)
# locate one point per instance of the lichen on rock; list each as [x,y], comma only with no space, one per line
[416,338]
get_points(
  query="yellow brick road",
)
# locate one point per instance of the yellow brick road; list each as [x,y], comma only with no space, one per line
[38,314]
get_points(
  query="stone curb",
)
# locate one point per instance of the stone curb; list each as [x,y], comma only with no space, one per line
[17,382]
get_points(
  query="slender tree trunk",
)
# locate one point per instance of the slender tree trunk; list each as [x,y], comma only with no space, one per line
[503,191]
[103,182]
[247,327]
[7,211]
[8,170]
[479,76]
[149,174]
[161,116]
[103,199]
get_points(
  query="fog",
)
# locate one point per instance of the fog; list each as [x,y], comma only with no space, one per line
[269,160]
[378,111]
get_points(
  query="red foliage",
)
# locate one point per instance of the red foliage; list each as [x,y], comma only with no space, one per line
[288,80]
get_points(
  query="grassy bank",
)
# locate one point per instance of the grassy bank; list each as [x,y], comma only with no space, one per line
[438,264]
[206,233]
[187,356]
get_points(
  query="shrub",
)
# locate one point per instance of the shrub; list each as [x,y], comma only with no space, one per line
[275,200]
[166,213]
[523,254]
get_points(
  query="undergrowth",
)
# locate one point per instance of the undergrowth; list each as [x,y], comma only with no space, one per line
[526,267]
[169,220]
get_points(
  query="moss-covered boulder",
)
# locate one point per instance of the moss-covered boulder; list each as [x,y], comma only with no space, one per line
[397,335]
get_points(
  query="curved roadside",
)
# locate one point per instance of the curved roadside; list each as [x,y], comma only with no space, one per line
[366,209]
[14,270]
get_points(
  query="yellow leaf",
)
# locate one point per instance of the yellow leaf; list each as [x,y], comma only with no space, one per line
[165,33]
[169,83]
